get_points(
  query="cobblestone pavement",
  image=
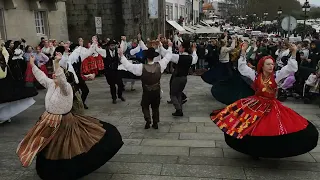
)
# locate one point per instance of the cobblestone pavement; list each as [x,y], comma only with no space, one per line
[187,148]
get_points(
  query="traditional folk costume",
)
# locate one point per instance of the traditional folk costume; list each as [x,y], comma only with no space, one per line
[150,77]
[260,125]
[16,64]
[80,59]
[179,76]
[41,60]
[29,77]
[49,51]
[14,96]
[68,146]
[135,56]
[113,76]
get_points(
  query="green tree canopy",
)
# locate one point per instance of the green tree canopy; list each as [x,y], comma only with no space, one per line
[259,7]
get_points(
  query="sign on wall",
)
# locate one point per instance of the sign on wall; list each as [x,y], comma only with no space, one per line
[98,23]
[153,9]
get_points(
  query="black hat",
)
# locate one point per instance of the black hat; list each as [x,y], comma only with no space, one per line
[59,49]
[151,53]
[186,44]
[112,42]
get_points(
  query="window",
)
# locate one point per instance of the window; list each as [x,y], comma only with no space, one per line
[40,17]
[167,12]
[2,26]
[171,13]
[176,13]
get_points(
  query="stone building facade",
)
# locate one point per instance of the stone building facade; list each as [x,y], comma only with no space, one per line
[119,17]
[33,19]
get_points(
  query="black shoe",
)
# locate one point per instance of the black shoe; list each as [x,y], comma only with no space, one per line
[122,99]
[114,101]
[147,126]
[184,101]
[178,113]
[85,106]
[307,101]
[170,102]
[155,126]
[255,158]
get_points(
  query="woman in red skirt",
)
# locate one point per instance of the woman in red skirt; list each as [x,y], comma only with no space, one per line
[41,60]
[29,77]
[260,125]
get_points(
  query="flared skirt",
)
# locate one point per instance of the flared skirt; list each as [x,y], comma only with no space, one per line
[281,146]
[82,164]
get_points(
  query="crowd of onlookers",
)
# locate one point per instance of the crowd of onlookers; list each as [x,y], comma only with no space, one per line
[211,52]
[304,83]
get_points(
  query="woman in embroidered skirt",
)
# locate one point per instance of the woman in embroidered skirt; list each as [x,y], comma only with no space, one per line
[260,125]
[14,96]
[68,146]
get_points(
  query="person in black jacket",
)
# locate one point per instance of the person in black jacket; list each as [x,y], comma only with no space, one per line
[213,54]
[112,74]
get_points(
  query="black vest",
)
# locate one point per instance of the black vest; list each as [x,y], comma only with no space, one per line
[111,63]
[183,66]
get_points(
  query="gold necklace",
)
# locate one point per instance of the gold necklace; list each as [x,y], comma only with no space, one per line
[266,83]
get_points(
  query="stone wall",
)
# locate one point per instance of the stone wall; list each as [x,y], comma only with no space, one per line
[19,20]
[119,17]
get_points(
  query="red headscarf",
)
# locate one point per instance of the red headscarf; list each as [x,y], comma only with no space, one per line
[257,83]
[261,63]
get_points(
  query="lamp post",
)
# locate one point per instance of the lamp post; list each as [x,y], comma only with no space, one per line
[265,16]
[265,20]
[305,8]
[254,20]
[279,16]
[247,19]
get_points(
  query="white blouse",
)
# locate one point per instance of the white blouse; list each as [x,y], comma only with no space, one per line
[290,68]
[59,99]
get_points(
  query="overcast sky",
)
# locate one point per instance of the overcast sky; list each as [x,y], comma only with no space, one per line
[316,2]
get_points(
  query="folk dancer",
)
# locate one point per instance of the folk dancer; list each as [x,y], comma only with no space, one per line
[179,76]
[111,63]
[150,77]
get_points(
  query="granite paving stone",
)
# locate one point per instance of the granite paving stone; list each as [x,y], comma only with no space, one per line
[208,129]
[183,128]
[276,174]
[202,136]
[142,158]
[203,171]
[206,152]
[154,135]
[191,147]
[131,168]
[150,177]
[183,143]
[153,150]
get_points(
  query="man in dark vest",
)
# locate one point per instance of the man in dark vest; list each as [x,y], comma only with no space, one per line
[183,62]
[113,76]
[150,77]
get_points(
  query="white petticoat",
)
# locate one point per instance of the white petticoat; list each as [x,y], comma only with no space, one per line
[11,109]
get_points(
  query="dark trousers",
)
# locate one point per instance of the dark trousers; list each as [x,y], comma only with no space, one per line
[113,79]
[84,89]
[151,98]
[183,95]
[177,86]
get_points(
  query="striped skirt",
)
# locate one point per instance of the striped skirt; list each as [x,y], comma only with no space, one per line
[62,137]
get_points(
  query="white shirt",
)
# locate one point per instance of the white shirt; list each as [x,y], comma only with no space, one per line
[58,99]
[112,53]
[136,69]
[245,70]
